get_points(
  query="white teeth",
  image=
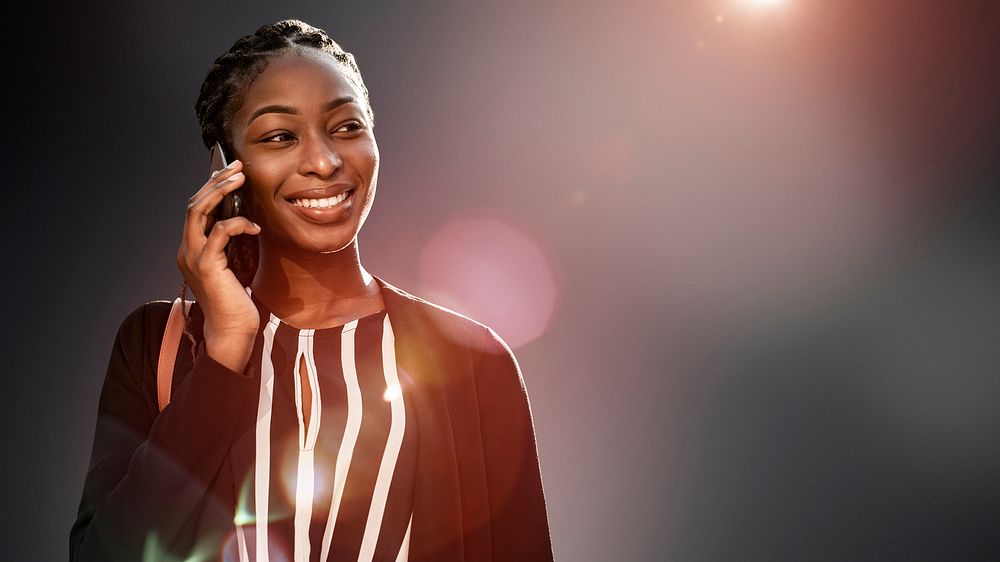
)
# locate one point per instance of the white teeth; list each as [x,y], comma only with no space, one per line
[320,203]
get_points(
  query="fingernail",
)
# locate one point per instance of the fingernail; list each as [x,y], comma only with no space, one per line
[231,164]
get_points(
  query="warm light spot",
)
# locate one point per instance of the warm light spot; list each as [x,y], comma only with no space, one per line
[764,3]
[490,271]
[285,470]
[243,515]
[718,18]
[324,468]
[230,548]
[391,393]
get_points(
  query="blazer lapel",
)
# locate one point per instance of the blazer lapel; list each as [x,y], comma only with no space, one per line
[422,357]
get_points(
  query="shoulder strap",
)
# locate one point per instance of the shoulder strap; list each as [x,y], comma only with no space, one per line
[168,351]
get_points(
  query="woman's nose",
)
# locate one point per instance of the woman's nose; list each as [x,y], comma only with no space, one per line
[319,158]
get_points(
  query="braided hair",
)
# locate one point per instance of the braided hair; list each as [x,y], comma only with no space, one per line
[224,91]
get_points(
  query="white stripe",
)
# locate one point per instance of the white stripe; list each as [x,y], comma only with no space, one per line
[262,466]
[351,430]
[305,479]
[392,445]
[297,384]
[404,549]
[315,407]
[303,505]
[241,544]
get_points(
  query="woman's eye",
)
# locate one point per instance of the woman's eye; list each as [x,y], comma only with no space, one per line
[350,127]
[278,137]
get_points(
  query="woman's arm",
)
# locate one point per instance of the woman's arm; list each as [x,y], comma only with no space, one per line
[518,520]
[147,489]
[150,474]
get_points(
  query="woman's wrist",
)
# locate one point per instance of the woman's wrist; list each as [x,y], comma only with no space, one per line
[230,351]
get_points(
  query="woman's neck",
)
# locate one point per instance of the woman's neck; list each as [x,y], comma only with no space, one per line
[316,290]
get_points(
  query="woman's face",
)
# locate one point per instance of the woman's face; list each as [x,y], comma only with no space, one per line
[309,155]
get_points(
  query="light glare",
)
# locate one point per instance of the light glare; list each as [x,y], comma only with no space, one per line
[392,392]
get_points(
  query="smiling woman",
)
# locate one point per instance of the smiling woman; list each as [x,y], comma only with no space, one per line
[321,413]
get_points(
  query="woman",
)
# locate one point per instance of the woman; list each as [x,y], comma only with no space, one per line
[322,413]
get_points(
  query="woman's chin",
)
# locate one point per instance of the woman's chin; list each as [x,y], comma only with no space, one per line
[306,246]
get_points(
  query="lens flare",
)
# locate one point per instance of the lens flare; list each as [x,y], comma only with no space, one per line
[392,392]
[492,272]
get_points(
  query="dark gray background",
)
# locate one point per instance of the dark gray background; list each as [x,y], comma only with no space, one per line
[773,234]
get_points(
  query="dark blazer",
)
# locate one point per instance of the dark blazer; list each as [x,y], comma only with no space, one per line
[162,482]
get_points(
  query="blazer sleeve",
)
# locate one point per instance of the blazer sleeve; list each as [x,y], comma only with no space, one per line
[147,486]
[518,521]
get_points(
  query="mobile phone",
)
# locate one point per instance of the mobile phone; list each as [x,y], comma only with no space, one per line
[232,204]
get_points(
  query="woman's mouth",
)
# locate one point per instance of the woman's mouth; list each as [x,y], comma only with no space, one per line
[325,209]
[324,203]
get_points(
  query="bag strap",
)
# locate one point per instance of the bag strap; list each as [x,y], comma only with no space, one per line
[168,351]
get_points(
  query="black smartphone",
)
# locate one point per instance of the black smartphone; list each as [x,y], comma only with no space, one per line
[232,204]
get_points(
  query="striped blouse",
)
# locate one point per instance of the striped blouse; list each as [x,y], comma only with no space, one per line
[334,482]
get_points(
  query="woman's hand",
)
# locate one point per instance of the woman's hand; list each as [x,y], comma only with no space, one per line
[231,319]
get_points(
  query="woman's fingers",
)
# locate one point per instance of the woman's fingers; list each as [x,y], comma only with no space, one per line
[222,231]
[202,200]
[203,204]
[197,261]
[201,207]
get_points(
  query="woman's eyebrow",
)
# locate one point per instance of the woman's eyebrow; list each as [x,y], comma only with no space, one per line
[339,102]
[272,109]
[291,110]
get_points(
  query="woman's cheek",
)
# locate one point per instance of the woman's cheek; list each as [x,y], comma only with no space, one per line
[373,160]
